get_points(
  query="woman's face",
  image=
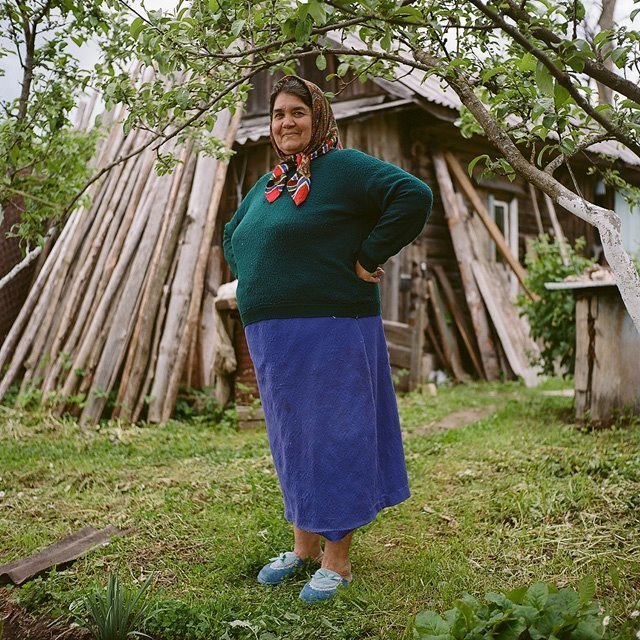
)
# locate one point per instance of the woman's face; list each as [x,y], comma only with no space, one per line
[290,123]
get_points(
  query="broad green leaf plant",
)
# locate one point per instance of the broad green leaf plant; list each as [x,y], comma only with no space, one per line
[539,612]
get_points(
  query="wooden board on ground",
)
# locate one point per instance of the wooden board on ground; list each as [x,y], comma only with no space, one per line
[448,338]
[60,553]
[458,315]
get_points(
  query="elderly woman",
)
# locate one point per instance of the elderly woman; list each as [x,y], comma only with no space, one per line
[306,245]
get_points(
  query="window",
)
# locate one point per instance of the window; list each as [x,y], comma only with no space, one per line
[505,215]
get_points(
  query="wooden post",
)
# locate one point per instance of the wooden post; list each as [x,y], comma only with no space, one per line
[417,342]
[557,230]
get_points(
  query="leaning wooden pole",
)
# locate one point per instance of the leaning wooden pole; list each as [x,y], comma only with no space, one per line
[496,235]
[464,255]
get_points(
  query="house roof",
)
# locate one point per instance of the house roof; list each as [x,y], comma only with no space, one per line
[410,86]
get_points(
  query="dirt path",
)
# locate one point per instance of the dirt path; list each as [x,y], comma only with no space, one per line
[456,420]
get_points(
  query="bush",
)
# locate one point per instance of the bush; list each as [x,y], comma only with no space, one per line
[553,317]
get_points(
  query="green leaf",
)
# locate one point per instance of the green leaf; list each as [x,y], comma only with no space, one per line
[510,630]
[528,62]
[136,27]
[589,629]
[489,73]
[619,56]
[303,30]
[586,589]
[343,67]
[615,576]
[537,595]
[517,595]
[318,12]
[237,26]
[560,96]
[544,80]
[475,161]
[431,624]
[321,62]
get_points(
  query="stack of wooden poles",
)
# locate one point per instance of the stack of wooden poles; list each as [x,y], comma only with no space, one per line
[496,341]
[118,311]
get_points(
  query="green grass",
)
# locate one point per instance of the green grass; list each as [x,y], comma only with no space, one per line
[520,496]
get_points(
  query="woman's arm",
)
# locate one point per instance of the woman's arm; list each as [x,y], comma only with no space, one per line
[404,203]
[229,228]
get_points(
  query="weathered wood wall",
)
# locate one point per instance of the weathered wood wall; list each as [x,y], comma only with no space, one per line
[407,137]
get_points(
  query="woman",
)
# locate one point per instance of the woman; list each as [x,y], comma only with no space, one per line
[306,244]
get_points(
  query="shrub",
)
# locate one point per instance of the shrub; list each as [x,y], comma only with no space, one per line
[539,612]
[553,317]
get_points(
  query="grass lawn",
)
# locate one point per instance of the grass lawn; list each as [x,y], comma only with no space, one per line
[519,496]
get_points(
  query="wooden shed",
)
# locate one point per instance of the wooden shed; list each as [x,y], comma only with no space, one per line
[412,125]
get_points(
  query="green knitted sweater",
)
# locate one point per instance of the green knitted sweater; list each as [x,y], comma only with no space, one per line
[299,262]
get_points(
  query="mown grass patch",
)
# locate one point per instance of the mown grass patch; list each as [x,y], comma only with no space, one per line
[520,496]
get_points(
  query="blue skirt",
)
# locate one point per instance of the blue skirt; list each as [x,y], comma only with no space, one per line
[332,419]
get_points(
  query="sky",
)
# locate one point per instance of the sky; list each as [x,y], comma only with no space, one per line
[89,53]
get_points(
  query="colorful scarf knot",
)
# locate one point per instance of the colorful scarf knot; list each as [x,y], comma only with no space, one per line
[324,137]
[299,184]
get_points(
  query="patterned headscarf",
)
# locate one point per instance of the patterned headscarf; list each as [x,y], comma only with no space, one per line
[324,137]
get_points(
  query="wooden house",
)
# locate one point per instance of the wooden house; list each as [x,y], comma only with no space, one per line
[406,122]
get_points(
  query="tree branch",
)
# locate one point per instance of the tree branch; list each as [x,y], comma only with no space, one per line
[594,68]
[562,158]
[563,78]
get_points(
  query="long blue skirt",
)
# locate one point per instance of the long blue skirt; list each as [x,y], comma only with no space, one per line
[332,419]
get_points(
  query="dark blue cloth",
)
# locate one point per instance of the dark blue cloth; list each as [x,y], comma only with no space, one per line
[332,419]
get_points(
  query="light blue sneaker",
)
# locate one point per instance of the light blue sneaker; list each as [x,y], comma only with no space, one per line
[280,568]
[323,585]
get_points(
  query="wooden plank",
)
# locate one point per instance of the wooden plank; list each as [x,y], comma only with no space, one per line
[458,315]
[250,418]
[480,208]
[60,553]
[507,322]
[417,347]
[449,342]
[536,208]
[399,333]
[399,356]
[464,254]
[435,343]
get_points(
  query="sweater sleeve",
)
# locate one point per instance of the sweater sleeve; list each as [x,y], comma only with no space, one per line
[403,203]
[232,225]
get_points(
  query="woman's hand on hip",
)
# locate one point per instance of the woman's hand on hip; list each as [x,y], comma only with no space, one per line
[367,276]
